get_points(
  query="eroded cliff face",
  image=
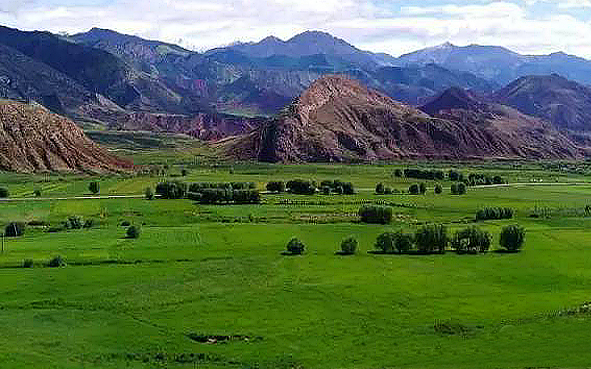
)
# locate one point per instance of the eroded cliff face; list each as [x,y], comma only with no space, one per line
[32,139]
[337,119]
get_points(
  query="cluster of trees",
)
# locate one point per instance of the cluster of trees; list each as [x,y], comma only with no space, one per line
[430,175]
[383,190]
[494,213]
[337,187]
[14,229]
[171,190]
[199,186]
[374,214]
[225,196]
[458,188]
[4,193]
[434,239]
[481,179]
[276,186]
[301,187]
[417,189]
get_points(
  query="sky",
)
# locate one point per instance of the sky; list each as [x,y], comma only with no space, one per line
[391,26]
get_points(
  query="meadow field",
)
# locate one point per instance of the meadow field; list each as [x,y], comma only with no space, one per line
[207,286]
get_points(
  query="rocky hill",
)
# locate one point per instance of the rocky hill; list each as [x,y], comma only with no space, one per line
[566,104]
[33,139]
[337,119]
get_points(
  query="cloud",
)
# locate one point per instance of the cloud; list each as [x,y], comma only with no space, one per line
[394,26]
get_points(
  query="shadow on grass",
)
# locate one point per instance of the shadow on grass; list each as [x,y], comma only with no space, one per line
[412,252]
[341,253]
[287,253]
[501,251]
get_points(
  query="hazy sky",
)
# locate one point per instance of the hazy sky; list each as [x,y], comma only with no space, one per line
[392,26]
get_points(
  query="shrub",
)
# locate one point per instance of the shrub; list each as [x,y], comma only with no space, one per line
[171,190]
[398,173]
[387,191]
[133,232]
[349,246]
[56,262]
[88,223]
[94,187]
[74,222]
[14,229]
[422,188]
[375,214]
[301,187]
[339,187]
[414,189]
[4,193]
[125,223]
[438,189]
[184,172]
[37,193]
[380,189]
[403,242]
[325,190]
[458,189]
[28,263]
[431,238]
[276,186]
[295,246]
[455,176]
[149,193]
[494,213]
[512,238]
[386,242]
[471,240]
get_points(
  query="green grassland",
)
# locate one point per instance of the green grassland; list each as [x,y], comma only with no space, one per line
[219,270]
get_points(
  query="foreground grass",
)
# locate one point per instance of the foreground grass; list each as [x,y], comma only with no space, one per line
[218,270]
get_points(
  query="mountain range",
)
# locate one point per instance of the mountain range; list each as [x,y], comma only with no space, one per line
[473,96]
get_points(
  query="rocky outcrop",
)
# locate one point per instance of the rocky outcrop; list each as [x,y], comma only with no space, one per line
[33,139]
[337,119]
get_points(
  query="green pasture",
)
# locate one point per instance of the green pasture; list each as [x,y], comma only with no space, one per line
[219,271]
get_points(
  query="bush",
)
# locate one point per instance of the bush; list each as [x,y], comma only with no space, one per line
[386,242]
[94,187]
[14,229]
[388,191]
[28,263]
[184,172]
[431,238]
[398,173]
[56,262]
[458,189]
[133,232]
[380,189]
[37,193]
[125,223]
[149,193]
[88,223]
[471,240]
[422,188]
[438,189]
[375,214]
[512,238]
[171,190]
[494,213]
[403,242]
[4,193]
[276,186]
[455,176]
[301,187]
[74,222]
[349,246]
[338,187]
[414,189]
[295,246]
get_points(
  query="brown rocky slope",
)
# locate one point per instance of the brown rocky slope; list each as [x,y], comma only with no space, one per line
[337,119]
[33,139]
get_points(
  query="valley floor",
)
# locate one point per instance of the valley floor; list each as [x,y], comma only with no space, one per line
[202,271]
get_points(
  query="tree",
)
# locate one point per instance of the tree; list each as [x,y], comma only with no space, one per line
[414,189]
[438,189]
[276,186]
[374,214]
[37,192]
[471,240]
[301,187]
[398,173]
[380,188]
[149,193]
[512,238]
[431,238]
[349,246]
[455,176]
[387,191]
[458,188]
[386,242]
[133,232]
[14,229]
[422,188]
[4,193]
[403,242]
[94,187]
[295,246]
[171,190]
[184,172]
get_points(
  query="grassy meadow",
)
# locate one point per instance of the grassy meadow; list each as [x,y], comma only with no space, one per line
[209,270]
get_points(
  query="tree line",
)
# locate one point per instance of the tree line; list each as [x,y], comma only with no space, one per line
[209,193]
[304,187]
[473,179]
